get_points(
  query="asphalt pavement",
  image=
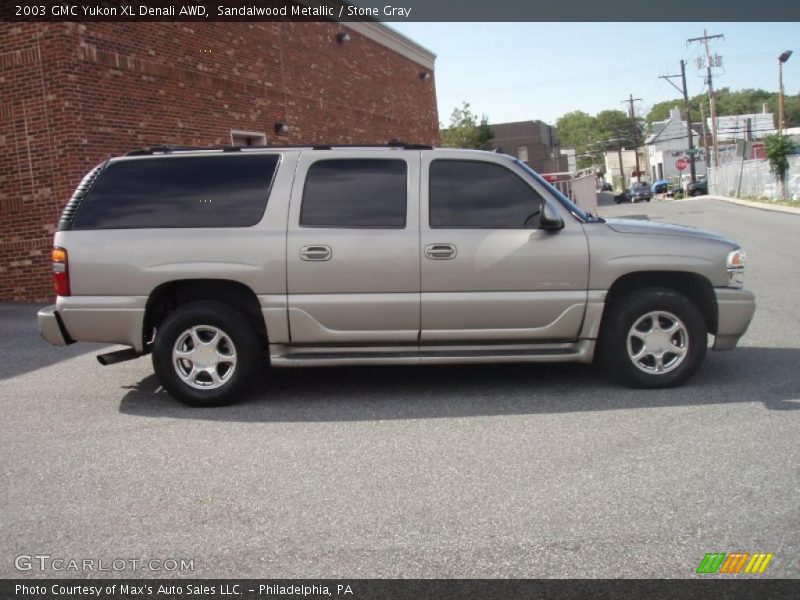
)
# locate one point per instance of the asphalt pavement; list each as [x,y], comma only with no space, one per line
[490,471]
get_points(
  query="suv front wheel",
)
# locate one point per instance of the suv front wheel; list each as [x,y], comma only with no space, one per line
[205,354]
[653,338]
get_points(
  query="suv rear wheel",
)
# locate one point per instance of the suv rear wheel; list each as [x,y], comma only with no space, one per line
[205,354]
[653,338]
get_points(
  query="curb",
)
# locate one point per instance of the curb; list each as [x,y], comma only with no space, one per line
[757,205]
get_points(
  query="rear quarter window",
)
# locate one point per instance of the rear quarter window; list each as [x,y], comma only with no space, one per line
[186,191]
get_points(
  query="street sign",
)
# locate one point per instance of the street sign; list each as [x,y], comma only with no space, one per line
[681,164]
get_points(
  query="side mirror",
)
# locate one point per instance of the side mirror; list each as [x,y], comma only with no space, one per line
[550,220]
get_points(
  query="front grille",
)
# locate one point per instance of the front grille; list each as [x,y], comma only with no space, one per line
[71,209]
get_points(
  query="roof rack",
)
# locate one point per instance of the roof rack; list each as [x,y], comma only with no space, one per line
[392,144]
[168,149]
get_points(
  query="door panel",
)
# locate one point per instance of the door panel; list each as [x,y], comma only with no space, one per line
[353,285]
[502,284]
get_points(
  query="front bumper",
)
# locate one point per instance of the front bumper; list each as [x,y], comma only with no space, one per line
[52,328]
[735,310]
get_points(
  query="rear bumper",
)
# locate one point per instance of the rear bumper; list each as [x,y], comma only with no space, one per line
[735,311]
[51,327]
[103,319]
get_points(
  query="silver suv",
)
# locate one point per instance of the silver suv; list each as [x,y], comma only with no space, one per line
[216,261]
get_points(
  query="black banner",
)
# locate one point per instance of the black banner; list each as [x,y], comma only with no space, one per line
[380,589]
[398,10]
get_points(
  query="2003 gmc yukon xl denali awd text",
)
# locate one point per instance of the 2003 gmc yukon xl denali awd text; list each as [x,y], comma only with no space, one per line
[213,259]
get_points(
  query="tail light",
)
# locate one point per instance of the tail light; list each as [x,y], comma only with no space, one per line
[61,271]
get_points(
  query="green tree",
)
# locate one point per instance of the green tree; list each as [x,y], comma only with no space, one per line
[615,124]
[777,149]
[791,106]
[576,130]
[466,131]
[591,135]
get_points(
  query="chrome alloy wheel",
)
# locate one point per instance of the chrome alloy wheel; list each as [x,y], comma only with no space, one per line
[204,357]
[658,342]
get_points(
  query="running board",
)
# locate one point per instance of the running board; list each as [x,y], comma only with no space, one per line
[581,351]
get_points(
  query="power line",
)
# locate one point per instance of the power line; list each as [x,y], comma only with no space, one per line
[732,130]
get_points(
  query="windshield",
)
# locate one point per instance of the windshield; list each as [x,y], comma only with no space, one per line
[574,209]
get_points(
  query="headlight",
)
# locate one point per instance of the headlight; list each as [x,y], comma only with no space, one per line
[734,264]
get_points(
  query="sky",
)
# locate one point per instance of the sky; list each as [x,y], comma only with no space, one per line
[526,71]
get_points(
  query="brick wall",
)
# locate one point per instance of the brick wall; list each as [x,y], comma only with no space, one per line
[539,139]
[72,95]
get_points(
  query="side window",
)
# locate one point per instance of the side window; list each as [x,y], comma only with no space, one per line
[479,195]
[355,193]
[208,191]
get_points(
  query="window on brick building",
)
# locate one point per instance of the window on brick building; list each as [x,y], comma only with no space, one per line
[248,138]
[522,153]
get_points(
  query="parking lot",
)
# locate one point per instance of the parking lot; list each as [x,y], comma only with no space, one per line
[476,471]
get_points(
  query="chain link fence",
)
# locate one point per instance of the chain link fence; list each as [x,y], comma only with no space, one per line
[749,179]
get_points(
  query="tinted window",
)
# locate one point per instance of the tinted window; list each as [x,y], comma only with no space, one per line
[210,191]
[477,195]
[355,193]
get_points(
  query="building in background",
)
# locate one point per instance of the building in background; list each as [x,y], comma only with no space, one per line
[75,94]
[668,148]
[740,127]
[734,130]
[532,142]
[572,159]
[622,179]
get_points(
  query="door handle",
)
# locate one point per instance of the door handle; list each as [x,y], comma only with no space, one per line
[440,251]
[315,252]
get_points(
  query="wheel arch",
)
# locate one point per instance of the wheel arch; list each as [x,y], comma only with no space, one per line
[170,296]
[695,287]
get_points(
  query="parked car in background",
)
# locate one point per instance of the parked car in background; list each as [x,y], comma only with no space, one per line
[660,187]
[639,190]
[698,188]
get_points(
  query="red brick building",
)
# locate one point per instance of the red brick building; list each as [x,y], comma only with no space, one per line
[72,95]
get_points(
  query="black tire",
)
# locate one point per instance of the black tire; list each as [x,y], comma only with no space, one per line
[615,352]
[234,331]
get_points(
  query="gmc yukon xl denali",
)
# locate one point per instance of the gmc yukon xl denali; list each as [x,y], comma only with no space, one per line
[218,261]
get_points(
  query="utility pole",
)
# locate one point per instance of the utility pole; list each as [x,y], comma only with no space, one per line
[705,134]
[781,113]
[780,98]
[689,132]
[634,131]
[704,40]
